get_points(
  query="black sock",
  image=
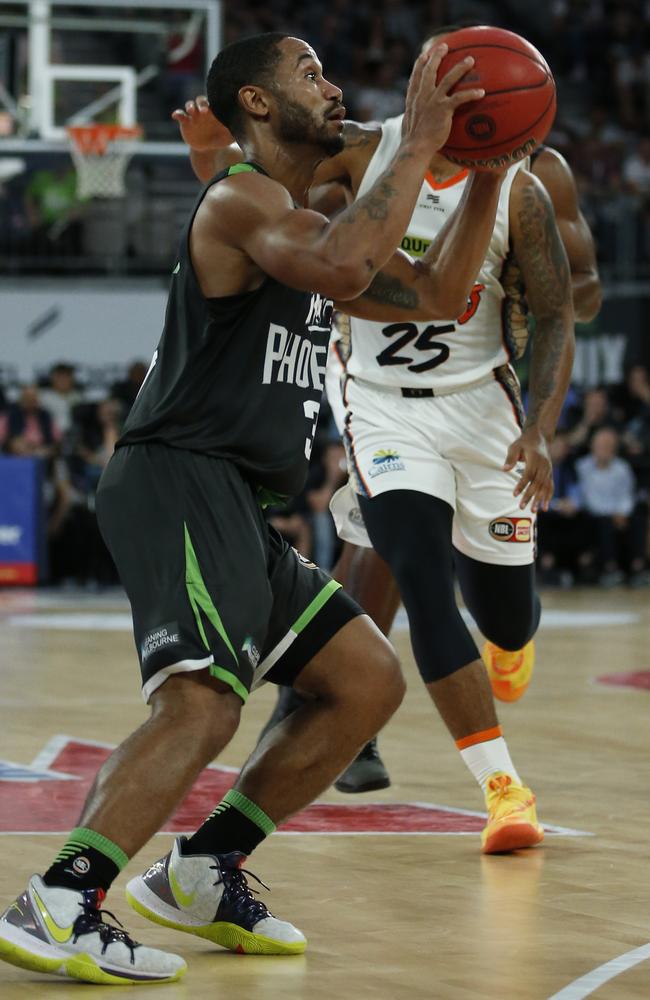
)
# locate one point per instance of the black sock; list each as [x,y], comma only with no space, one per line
[86,861]
[237,824]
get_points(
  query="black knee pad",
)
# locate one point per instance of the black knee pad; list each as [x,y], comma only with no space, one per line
[501,599]
[411,531]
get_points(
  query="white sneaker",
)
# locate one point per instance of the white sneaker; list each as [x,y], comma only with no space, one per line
[62,931]
[208,895]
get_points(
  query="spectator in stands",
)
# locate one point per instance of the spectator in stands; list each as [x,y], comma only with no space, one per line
[28,429]
[634,395]
[563,529]
[609,495]
[128,388]
[97,440]
[636,169]
[596,413]
[61,395]
[636,435]
[53,209]
[384,97]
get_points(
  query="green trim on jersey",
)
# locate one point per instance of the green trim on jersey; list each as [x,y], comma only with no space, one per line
[229,678]
[200,598]
[312,609]
[241,168]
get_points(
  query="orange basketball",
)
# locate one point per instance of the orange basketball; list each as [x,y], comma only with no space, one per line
[518,109]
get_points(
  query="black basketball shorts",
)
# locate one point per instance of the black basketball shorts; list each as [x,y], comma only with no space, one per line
[211,584]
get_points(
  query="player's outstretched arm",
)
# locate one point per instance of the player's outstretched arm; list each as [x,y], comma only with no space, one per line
[437,285]
[555,174]
[213,148]
[545,269]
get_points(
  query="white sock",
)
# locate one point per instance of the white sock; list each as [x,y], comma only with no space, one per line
[483,759]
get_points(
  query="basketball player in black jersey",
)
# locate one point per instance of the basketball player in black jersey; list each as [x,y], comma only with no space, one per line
[223,424]
[508,621]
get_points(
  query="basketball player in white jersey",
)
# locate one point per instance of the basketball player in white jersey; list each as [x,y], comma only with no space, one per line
[448,471]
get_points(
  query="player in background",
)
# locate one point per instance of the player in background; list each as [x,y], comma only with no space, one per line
[498,578]
[222,424]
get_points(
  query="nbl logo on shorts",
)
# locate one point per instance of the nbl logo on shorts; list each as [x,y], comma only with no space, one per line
[511,529]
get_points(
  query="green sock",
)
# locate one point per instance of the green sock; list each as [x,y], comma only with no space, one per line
[87,860]
[237,824]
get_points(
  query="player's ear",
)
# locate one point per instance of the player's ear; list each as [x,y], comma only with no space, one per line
[254,101]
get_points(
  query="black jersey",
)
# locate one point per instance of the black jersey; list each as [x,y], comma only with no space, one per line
[239,377]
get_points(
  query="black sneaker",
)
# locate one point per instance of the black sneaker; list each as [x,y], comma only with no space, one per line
[366,773]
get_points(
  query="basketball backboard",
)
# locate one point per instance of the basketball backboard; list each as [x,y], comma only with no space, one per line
[65,63]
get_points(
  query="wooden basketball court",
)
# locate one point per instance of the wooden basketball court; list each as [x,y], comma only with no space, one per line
[389,915]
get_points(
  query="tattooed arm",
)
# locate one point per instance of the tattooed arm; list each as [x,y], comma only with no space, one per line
[545,269]
[555,174]
[437,285]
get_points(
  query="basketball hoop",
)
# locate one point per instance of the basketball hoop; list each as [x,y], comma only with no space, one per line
[100,154]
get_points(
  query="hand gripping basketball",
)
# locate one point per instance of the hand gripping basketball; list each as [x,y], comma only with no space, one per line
[429,105]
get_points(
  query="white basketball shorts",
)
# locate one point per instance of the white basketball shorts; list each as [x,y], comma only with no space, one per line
[452,447]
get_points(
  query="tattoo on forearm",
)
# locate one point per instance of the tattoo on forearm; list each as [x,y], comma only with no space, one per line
[548,282]
[391,291]
[375,204]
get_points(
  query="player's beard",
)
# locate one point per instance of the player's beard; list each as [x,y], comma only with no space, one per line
[297,125]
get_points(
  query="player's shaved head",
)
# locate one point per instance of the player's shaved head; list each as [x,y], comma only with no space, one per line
[250,61]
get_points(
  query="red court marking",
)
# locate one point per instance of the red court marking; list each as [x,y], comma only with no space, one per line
[631,679]
[48,805]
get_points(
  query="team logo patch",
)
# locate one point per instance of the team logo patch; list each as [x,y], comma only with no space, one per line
[251,650]
[158,638]
[385,460]
[81,865]
[511,529]
[304,560]
[356,517]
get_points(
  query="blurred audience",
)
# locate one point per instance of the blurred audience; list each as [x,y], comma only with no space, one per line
[128,388]
[609,493]
[61,395]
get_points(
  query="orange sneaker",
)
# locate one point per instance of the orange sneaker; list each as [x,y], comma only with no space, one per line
[509,672]
[512,817]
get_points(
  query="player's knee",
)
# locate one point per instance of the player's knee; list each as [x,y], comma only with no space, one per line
[380,682]
[204,709]
[510,635]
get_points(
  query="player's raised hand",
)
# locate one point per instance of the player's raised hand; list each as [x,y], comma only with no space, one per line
[429,105]
[199,128]
[536,481]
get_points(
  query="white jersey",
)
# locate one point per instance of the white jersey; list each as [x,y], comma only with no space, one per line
[443,355]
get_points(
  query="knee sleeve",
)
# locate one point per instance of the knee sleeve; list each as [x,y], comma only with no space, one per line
[501,599]
[412,532]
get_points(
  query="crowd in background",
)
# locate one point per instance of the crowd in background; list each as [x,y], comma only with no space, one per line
[598,49]
[596,531]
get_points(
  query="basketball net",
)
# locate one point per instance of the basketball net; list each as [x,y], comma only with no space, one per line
[101,154]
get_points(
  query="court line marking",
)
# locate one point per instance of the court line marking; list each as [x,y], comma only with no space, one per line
[46,757]
[289,833]
[590,982]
